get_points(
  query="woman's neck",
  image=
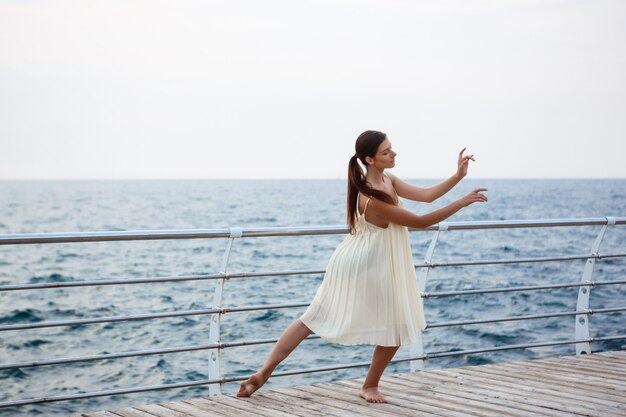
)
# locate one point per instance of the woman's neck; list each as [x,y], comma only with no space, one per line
[375,176]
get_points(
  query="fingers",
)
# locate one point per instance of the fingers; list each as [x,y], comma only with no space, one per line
[466,158]
[478,196]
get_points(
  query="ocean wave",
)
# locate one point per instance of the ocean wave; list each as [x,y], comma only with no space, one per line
[30,344]
[269,315]
[26,315]
[15,373]
[51,278]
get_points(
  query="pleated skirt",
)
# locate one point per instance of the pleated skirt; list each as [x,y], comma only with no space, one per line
[369,294]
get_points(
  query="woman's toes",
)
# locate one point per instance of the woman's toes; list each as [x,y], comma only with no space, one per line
[372,395]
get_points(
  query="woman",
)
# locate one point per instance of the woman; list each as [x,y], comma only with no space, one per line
[369,294]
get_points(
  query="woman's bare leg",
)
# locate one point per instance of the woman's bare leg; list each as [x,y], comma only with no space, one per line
[381,358]
[295,333]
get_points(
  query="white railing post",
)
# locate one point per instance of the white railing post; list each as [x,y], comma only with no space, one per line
[417,349]
[216,319]
[581,325]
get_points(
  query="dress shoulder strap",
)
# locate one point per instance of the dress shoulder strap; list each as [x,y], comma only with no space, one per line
[358,198]
[365,208]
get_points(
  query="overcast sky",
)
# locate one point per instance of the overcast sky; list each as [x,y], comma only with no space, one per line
[282,89]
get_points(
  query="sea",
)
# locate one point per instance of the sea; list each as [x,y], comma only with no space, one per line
[45,206]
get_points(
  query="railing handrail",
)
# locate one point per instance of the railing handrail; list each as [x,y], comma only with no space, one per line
[106,236]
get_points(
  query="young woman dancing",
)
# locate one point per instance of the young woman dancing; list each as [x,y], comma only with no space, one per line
[369,294]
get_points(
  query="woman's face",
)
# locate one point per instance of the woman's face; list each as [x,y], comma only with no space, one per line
[385,156]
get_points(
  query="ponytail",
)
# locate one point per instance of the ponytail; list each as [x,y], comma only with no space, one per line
[357,183]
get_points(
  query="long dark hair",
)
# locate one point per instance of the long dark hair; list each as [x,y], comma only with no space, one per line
[366,145]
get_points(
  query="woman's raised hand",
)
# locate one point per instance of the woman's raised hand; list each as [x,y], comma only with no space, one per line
[474,196]
[462,163]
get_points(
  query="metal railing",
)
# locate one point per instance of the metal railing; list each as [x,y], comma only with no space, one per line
[417,356]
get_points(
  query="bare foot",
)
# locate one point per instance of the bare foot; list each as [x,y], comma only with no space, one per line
[251,384]
[372,395]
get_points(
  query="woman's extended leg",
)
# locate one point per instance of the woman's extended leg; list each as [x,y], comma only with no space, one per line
[291,337]
[380,360]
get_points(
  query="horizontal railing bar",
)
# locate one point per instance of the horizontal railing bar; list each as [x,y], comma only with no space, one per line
[516,261]
[200,277]
[514,224]
[513,289]
[148,316]
[66,284]
[521,346]
[119,355]
[528,317]
[106,236]
[295,372]
[107,393]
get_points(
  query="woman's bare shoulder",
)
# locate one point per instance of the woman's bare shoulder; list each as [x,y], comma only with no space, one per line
[391,176]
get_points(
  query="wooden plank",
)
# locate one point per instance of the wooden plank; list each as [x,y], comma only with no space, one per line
[437,399]
[547,389]
[583,363]
[348,398]
[593,382]
[607,360]
[532,369]
[524,400]
[349,401]
[546,379]
[218,407]
[590,368]
[616,378]
[241,405]
[452,388]
[160,411]
[103,413]
[619,355]
[270,402]
[450,399]
[304,401]
[132,412]
[543,380]
[423,390]
[405,401]
[191,409]
[401,397]
[537,395]
[600,361]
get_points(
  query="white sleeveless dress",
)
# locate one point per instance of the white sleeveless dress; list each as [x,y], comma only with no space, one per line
[369,294]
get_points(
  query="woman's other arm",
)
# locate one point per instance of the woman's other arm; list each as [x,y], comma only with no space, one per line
[398,215]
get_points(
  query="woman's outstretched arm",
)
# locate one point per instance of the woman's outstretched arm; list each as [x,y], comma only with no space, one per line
[398,215]
[432,193]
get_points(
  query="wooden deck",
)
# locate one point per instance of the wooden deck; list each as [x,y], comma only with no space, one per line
[587,385]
